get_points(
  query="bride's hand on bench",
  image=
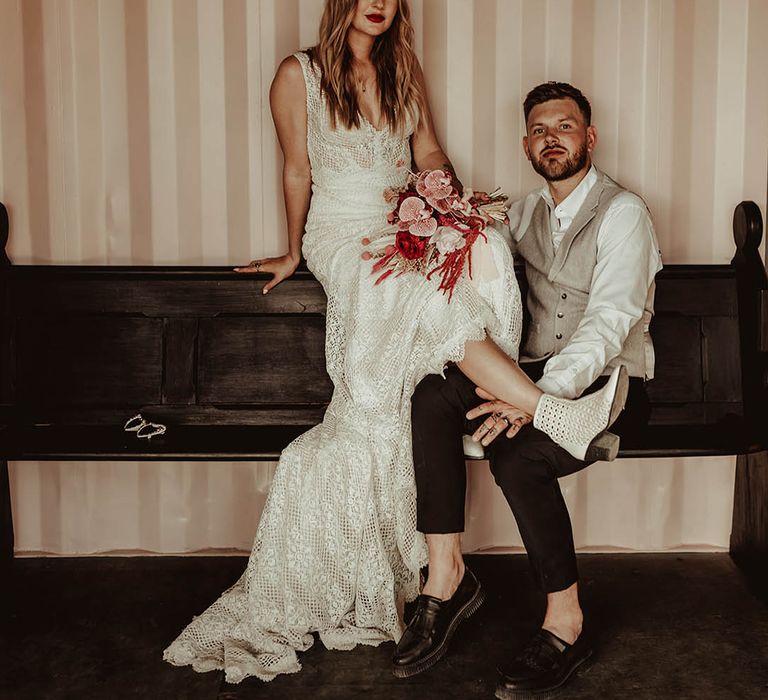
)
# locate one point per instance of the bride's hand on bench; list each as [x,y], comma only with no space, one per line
[281,268]
[501,416]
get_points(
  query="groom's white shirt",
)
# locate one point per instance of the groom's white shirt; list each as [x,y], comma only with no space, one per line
[627,261]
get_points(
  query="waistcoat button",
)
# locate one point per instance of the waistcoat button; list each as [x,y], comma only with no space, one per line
[559,314]
[563,296]
[559,336]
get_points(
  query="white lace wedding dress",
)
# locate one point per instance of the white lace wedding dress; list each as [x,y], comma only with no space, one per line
[336,550]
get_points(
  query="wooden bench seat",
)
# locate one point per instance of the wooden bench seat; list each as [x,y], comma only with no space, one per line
[265,443]
[236,375]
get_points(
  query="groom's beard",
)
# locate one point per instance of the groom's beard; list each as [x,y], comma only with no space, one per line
[556,170]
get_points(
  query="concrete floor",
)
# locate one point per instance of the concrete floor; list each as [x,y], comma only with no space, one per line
[667,626]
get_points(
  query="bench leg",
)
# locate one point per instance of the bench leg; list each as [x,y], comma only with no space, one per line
[749,533]
[6,517]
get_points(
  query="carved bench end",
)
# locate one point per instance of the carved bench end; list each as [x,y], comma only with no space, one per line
[747,227]
[4,229]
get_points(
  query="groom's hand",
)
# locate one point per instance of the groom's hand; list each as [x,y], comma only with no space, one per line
[501,416]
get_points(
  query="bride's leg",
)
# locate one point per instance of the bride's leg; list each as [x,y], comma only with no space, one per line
[578,426]
[488,367]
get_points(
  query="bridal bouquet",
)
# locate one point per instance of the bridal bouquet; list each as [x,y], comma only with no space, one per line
[432,229]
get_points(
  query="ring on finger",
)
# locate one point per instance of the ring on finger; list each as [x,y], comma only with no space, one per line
[257,266]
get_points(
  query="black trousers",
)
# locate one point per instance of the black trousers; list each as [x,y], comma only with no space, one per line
[526,468]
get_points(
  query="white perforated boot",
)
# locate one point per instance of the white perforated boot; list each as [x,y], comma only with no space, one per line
[579,426]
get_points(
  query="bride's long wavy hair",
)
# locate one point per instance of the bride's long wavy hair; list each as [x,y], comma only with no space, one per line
[400,94]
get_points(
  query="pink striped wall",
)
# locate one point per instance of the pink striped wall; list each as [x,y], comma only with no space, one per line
[137,131]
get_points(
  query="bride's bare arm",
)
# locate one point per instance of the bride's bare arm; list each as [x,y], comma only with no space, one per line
[428,154]
[484,362]
[287,99]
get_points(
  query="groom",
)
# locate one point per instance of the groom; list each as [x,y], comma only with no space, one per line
[590,255]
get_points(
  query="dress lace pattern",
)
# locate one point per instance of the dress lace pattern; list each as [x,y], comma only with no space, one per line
[336,551]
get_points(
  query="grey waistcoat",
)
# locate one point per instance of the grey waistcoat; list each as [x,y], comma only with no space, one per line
[559,283]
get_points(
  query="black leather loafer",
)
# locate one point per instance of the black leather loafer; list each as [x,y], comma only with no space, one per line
[543,667]
[426,638]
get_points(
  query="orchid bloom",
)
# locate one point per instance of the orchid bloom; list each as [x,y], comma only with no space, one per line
[416,217]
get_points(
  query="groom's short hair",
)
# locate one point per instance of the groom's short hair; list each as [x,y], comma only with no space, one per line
[557,91]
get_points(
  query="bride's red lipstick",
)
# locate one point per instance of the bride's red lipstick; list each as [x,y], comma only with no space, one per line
[375,18]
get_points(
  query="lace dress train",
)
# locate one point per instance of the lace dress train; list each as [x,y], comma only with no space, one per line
[336,551]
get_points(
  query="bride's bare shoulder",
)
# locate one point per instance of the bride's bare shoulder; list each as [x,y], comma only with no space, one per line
[289,71]
[288,84]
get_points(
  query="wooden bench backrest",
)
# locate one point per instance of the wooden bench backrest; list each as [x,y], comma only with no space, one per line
[88,345]
[695,332]
[85,342]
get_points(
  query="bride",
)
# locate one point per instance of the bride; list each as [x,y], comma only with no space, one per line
[336,550]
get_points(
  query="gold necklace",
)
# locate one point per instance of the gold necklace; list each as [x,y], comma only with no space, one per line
[361,84]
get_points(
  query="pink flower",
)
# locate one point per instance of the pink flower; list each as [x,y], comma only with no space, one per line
[413,209]
[416,217]
[434,184]
[423,228]
[437,188]
[444,205]
[448,239]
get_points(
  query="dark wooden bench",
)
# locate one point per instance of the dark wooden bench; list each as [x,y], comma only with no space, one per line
[237,375]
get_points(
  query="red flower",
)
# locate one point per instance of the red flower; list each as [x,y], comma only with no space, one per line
[409,246]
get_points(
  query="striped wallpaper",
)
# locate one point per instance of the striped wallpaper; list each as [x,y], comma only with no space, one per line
[138,131]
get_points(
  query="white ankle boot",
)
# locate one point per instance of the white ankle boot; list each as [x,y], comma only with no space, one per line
[579,425]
